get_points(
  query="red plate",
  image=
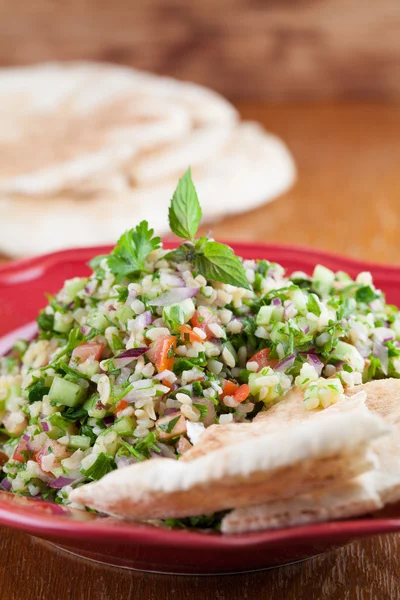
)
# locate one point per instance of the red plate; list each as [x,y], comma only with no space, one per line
[22,288]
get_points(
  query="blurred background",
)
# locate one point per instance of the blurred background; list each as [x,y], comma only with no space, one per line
[322,75]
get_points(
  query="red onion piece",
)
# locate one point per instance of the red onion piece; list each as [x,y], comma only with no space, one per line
[132,294]
[133,352]
[108,421]
[6,485]
[155,454]
[85,329]
[90,287]
[126,357]
[125,461]
[170,411]
[26,437]
[60,482]
[143,320]
[173,296]
[276,302]
[285,363]
[165,451]
[171,280]
[45,426]
[382,353]
[290,311]
[316,363]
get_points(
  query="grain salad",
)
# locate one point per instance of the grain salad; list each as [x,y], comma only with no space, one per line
[135,361]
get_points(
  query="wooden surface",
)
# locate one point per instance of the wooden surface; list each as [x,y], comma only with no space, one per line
[254,49]
[347,199]
[33,570]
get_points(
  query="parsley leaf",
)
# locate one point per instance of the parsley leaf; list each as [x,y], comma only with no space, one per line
[366,294]
[37,390]
[313,306]
[202,408]
[132,249]
[219,263]
[100,467]
[185,212]
[45,321]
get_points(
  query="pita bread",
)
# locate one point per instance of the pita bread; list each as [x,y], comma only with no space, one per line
[89,149]
[252,168]
[348,499]
[296,460]
[364,494]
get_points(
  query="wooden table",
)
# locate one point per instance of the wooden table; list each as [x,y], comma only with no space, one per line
[347,199]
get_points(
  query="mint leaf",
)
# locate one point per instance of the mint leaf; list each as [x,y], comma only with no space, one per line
[219,263]
[132,249]
[185,211]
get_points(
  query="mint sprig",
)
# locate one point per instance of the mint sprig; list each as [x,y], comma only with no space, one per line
[211,259]
[185,211]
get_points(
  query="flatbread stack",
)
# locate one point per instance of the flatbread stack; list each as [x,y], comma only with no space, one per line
[88,149]
[288,467]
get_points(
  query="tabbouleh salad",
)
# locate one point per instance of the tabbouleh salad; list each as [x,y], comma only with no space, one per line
[135,361]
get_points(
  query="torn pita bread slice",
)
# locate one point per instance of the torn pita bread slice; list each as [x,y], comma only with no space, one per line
[253,169]
[296,460]
[285,413]
[364,494]
[60,123]
[348,499]
[200,146]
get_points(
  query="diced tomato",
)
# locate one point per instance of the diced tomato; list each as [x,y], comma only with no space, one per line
[167,384]
[121,405]
[171,426]
[21,448]
[51,447]
[87,351]
[263,360]
[163,347]
[229,389]
[202,321]
[242,393]
[185,330]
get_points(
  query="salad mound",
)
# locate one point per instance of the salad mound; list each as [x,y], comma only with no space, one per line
[135,361]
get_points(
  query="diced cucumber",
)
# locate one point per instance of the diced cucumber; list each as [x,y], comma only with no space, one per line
[79,442]
[90,406]
[73,286]
[89,368]
[97,320]
[123,314]
[58,426]
[124,426]
[349,354]
[322,280]
[62,322]
[264,315]
[66,392]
